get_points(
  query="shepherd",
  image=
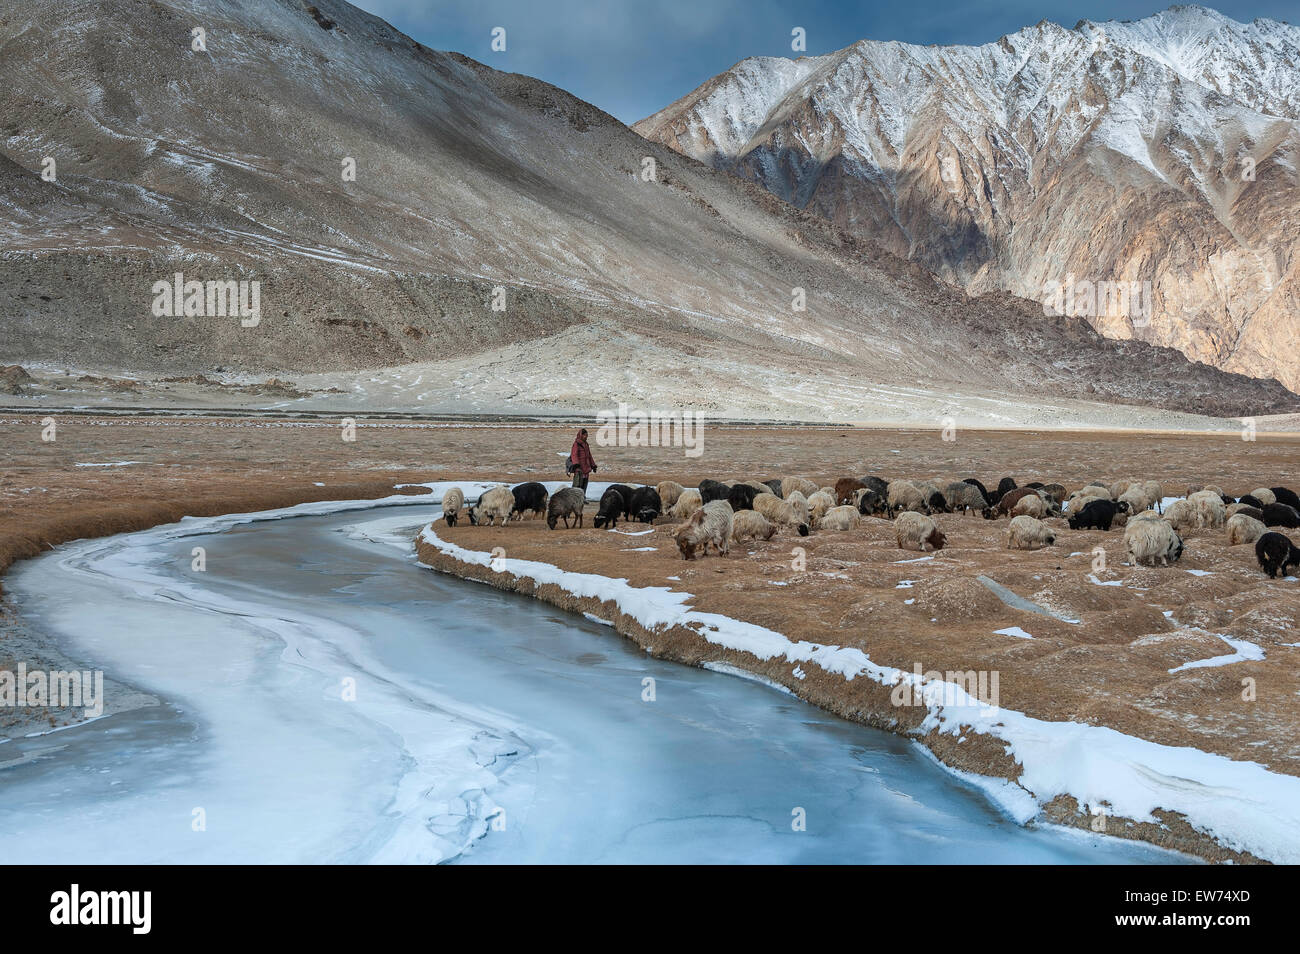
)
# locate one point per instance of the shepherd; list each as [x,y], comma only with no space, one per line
[581,463]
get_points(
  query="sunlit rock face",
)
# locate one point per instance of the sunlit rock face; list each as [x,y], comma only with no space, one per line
[1162,151]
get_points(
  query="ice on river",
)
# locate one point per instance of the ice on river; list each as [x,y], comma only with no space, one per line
[325,699]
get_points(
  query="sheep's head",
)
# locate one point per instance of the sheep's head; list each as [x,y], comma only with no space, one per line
[473,517]
[936,539]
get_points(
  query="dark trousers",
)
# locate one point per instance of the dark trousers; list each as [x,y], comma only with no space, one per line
[580,480]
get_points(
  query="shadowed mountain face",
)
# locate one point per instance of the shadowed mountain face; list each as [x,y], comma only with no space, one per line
[498,232]
[1164,150]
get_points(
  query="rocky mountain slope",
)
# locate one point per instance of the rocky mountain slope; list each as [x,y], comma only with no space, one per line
[1163,150]
[472,188]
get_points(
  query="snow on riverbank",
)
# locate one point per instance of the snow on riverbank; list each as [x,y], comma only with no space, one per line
[1241,804]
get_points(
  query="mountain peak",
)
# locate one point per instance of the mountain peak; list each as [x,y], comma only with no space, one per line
[970,159]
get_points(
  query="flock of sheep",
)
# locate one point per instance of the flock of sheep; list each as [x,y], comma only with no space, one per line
[717,513]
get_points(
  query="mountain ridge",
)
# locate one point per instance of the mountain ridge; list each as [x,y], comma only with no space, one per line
[225,164]
[1052,164]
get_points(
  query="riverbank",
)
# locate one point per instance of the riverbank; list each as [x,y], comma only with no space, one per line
[1120,702]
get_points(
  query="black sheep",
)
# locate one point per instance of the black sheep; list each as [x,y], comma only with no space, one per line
[741,497]
[878,484]
[626,491]
[1099,514]
[612,506]
[1280,515]
[1276,553]
[938,503]
[1250,500]
[1006,485]
[530,496]
[871,504]
[713,490]
[1285,496]
[1256,512]
[646,505]
[775,486]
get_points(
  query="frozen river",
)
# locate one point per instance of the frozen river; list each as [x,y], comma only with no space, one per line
[325,699]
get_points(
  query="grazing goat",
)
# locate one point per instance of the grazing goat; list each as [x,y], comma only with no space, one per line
[711,525]
[1276,554]
[1152,540]
[566,502]
[669,491]
[1028,533]
[751,525]
[916,531]
[646,505]
[1244,529]
[612,506]
[452,500]
[495,506]
[530,496]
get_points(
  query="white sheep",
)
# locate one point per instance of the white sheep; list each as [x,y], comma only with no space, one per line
[818,504]
[1118,487]
[841,518]
[1181,514]
[916,531]
[1155,493]
[709,526]
[1136,498]
[495,506]
[751,525]
[1028,533]
[1030,505]
[687,503]
[1264,495]
[453,499]
[782,513]
[668,491]
[1209,507]
[905,495]
[800,504]
[1152,540]
[801,484]
[1243,528]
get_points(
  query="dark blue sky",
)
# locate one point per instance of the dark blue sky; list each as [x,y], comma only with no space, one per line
[633,57]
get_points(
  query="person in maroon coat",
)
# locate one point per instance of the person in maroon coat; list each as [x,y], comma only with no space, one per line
[581,459]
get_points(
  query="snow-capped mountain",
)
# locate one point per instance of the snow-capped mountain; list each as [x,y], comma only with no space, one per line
[405,207]
[1163,150]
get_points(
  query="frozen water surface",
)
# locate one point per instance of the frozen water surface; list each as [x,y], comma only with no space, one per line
[325,699]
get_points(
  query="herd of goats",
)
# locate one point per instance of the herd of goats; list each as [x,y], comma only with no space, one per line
[717,513]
